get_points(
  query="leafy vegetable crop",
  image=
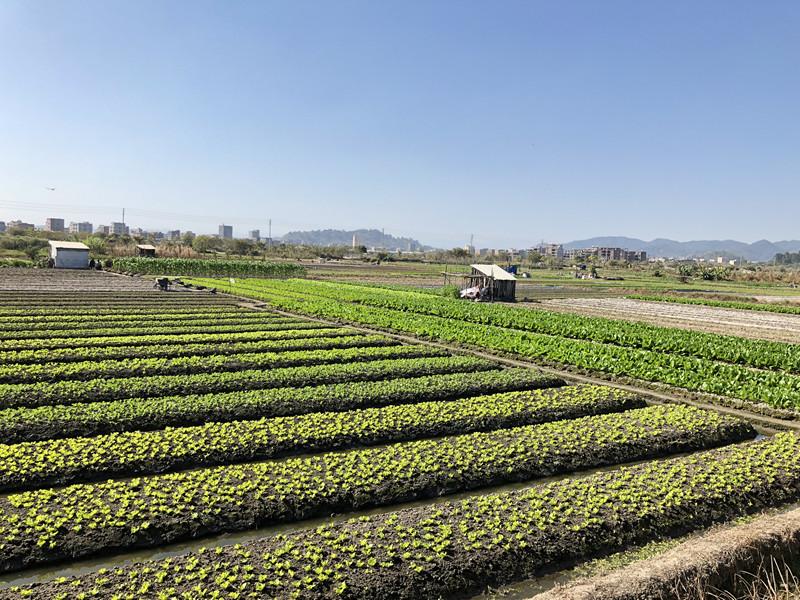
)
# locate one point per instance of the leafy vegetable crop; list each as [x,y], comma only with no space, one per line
[43,525]
[457,548]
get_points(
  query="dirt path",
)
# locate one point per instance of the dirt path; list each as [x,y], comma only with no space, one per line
[742,323]
[691,569]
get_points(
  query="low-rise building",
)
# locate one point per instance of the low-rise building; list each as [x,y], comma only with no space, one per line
[55,225]
[551,250]
[82,227]
[119,228]
[69,255]
[21,225]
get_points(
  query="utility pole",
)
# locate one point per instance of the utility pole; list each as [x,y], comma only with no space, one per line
[269,234]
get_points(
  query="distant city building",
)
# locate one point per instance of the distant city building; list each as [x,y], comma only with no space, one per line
[606,254]
[2,226]
[254,234]
[82,227]
[56,225]
[103,229]
[174,235]
[138,232]
[119,228]
[226,232]
[551,250]
[20,225]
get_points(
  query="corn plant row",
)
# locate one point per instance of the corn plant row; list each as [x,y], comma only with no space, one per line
[209,268]
[140,414]
[44,525]
[458,548]
[42,347]
[765,307]
[146,327]
[95,390]
[310,340]
[124,320]
[343,349]
[777,389]
[72,460]
[731,349]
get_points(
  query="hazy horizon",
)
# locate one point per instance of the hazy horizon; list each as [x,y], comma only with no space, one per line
[516,122]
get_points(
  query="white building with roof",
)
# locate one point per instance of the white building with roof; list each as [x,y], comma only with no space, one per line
[69,255]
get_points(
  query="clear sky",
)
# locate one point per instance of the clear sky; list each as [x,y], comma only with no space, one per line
[514,121]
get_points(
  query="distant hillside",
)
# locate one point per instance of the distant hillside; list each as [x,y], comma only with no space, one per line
[761,251]
[365,237]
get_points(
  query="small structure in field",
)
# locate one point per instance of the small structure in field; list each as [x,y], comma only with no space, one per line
[69,255]
[486,283]
[145,250]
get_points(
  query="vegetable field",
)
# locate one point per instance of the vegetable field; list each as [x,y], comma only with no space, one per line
[758,371]
[131,420]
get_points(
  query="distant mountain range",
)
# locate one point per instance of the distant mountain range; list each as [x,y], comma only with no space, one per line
[760,251]
[371,238]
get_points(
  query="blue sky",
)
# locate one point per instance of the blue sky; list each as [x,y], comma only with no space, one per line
[513,121]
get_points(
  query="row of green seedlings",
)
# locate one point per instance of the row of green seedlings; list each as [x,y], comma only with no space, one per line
[71,460]
[327,351]
[125,321]
[776,389]
[55,523]
[45,346]
[95,390]
[764,307]
[309,340]
[396,385]
[38,314]
[456,548]
[711,346]
[25,301]
[148,327]
[110,314]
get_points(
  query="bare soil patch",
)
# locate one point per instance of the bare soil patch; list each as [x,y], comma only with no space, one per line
[742,323]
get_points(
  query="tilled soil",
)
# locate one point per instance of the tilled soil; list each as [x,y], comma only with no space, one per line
[70,280]
[742,323]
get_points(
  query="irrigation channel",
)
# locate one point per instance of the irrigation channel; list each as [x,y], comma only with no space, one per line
[333,434]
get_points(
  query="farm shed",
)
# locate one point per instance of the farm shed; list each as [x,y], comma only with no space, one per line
[145,250]
[485,282]
[69,255]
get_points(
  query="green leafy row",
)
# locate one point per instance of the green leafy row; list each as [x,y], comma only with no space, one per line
[210,268]
[95,390]
[310,339]
[43,347]
[755,353]
[124,320]
[10,337]
[50,524]
[456,548]
[775,388]
[341,349]
[79,459]
[765,307]
[42,315]
[132,414]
